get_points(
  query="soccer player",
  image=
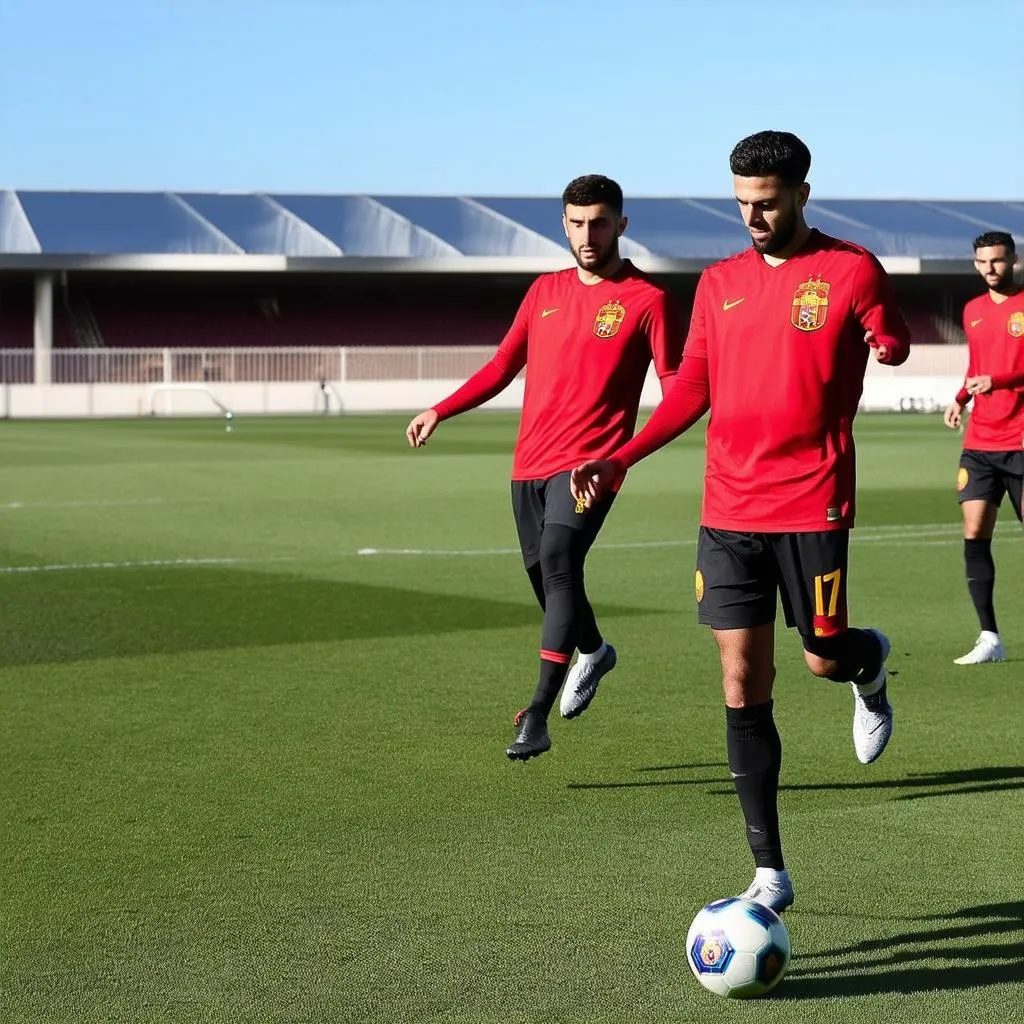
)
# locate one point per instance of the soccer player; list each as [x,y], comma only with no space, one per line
[777,347]
[992,460]
[586,337]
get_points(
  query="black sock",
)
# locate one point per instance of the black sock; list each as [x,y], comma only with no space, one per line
[552,675]
[755,759]
[588,636]
[981,580]
[562,569]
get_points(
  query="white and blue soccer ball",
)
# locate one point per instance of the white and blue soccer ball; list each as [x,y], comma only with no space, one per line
[738,948]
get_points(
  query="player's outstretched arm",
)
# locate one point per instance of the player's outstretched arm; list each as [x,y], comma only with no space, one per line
[421,426]
[687,400]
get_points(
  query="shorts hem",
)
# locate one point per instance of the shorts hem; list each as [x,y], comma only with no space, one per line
[718,622]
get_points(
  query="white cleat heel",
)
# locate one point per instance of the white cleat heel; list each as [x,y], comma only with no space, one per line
[988,647]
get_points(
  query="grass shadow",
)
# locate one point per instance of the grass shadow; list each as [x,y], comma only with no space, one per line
[921,785]
[67,617]
[894,964]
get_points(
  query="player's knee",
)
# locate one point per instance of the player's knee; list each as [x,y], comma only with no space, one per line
[744,684]
[831,657]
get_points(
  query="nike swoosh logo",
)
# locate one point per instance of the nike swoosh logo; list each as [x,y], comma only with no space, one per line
[974,323]
[544,313]
[727,305]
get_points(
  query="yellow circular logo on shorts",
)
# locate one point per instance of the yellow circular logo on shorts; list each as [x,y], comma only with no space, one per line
[699,585]
[962,477]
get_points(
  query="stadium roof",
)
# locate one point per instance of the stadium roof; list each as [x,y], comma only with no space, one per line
[168,230]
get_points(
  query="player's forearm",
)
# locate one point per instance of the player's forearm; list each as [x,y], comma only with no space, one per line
[685,403]
[963,396]
[490,380]
[1004,381]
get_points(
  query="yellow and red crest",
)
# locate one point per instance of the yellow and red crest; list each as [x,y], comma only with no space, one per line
[810,305]
[962,476]
[1015,325]
[699,586]
[609,318]
[711,952]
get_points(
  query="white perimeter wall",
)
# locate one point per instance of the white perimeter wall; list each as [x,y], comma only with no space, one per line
[926,382]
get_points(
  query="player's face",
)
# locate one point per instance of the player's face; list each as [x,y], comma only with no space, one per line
[771,210]
[995,264]
[593,233]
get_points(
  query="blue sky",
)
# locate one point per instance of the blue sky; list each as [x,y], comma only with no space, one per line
[901,99]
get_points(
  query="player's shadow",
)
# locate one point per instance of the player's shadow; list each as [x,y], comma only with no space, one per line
[919,785]
[915,786]
[650,783]
[896,964]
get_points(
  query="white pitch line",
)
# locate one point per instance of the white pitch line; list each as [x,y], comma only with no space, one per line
[911,539]
[145,563]
[99,503]
[931,535]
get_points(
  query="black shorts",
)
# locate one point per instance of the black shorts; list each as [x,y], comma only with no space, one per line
[740,576]
[538,503]
[987,476]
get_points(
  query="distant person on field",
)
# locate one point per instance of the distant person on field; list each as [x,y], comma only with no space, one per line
[586,337]
[992,460]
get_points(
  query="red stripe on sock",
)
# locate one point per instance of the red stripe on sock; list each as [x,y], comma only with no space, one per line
[556,656]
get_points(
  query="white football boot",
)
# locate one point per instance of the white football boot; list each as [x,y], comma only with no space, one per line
[988,647]
[581,683]
[770,888]
[872,712]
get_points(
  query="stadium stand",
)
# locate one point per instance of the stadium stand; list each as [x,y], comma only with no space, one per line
[447,227]
[165,270]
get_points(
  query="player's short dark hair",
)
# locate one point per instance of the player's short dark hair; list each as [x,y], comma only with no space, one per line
[591,189]
[995,238]
[771,154]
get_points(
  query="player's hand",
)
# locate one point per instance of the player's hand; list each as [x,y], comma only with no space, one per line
[881,351]
[978,385]
[591,481]
[952,415]
[421,427]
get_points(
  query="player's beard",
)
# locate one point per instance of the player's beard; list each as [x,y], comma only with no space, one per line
[1005,285]
[605,258]
[782,234]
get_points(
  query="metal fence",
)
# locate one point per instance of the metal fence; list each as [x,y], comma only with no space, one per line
[295,365]
[243,365]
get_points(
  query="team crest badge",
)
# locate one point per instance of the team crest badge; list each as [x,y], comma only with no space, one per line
[1015,325]
[810,305]
[962,476]
[609,318]
[711,951]
[699,586]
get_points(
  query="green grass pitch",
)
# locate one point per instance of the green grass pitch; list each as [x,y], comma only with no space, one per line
[256,688]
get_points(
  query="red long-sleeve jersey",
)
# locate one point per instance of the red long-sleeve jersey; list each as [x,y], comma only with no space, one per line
[778,354]
[995,346]
[586,350]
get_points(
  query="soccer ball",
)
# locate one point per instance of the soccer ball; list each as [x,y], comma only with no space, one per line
[738,948]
